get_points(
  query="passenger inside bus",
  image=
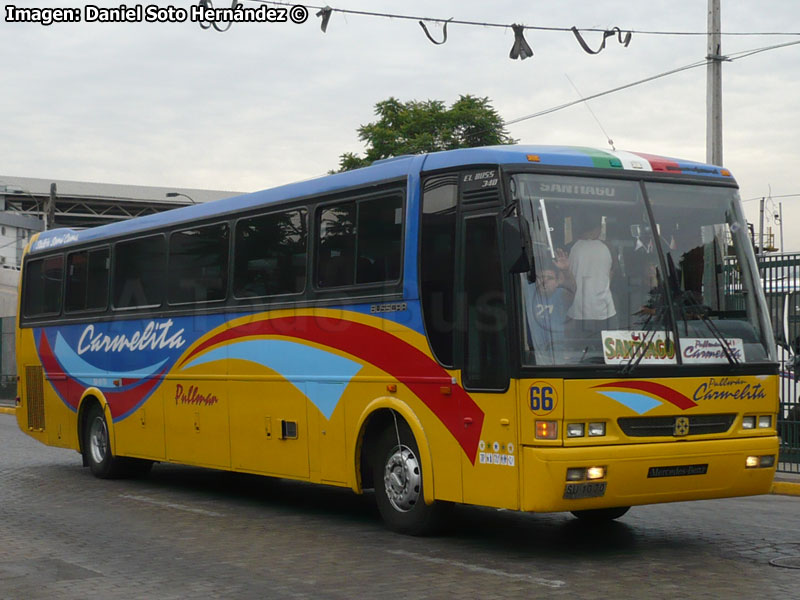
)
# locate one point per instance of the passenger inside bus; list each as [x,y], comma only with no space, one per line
[547,303]
[590,262]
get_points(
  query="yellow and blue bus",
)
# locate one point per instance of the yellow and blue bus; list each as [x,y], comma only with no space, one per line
[534,328]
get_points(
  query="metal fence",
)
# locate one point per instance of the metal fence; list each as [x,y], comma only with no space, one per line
[8,364]
[780,274]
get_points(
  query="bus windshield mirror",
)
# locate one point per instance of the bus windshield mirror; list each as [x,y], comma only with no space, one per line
[516,244]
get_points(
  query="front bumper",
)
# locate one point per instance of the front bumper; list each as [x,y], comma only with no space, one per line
[628,466]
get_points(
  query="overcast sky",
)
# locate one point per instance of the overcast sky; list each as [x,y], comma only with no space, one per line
[266,104]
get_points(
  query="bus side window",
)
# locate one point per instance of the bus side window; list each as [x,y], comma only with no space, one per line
[140,268]
[486,318]
[198,264]
[43,279]
[270,254]
[360,241]
[437,263]
[87,280]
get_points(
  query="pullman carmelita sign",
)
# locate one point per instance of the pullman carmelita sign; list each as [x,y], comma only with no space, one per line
[656,348]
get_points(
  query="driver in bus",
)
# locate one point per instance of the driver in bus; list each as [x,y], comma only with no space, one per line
[546,307]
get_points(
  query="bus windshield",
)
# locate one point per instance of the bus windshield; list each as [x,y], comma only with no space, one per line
[629,273]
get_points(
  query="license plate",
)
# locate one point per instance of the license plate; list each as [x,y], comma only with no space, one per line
[593,489]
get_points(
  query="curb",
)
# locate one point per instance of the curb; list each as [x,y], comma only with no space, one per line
[7,410]
[786,488]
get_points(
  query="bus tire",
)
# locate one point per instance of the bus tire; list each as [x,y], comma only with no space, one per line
[97,446]
[397,473]
[600,515]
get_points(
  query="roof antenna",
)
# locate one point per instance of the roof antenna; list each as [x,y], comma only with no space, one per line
[600,125]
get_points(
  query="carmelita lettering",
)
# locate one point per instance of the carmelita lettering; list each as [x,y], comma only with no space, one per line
[736,390]
[154,337]
[193,396]
[43,16]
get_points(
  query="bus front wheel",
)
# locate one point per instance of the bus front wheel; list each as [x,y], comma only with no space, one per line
[97,450]
[397,472]
[599,515]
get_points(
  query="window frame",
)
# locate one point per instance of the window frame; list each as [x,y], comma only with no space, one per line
[227,266]
[233,254]
[26,287]
[87,250]
[114,248]
[318,207]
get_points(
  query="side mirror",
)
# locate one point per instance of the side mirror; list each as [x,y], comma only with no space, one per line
[516,252]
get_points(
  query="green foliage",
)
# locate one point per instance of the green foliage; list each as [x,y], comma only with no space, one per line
[429,126]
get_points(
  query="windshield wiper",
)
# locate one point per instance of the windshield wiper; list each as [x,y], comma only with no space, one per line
[659,314]
[687,299]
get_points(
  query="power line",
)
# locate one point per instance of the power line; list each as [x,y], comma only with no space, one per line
[553,109]
[453,21]
[772,197]
[733,57]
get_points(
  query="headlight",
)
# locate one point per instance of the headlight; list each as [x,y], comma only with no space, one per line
[597,429]
[575,430]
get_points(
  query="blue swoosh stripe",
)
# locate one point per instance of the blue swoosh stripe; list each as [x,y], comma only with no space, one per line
[88,374]
[319,375]
[639,403]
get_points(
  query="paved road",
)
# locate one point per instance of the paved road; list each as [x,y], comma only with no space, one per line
[191,533]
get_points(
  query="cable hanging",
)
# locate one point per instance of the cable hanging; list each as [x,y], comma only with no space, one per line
[532,27]
[520,49]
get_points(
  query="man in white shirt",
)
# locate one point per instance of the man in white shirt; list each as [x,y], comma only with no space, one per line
[590,263]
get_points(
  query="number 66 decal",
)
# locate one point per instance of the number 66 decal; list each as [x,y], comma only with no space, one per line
[542,398]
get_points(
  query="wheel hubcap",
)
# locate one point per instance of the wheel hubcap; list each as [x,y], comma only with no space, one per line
[98,440]
[402,479]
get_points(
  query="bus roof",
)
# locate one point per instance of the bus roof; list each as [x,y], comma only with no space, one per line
[392,168]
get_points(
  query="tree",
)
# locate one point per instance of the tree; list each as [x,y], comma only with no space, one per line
[429,126]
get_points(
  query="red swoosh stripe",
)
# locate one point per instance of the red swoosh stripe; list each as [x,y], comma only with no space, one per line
[656,389]
[389,353]
[71,391]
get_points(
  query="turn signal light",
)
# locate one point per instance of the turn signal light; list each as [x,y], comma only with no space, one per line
[546,430]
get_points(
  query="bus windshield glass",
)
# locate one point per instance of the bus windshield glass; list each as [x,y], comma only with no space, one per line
[630,273]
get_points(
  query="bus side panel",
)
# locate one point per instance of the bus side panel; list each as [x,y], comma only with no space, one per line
[269,426]
[446,452]
[493,478]
[42,414]
[196,416]
[141,434]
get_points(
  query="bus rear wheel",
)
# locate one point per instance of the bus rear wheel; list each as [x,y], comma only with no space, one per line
[601,515]
[397,473]
[97,450]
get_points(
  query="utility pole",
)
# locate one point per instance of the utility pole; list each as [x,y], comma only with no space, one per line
[50,208]
[714,86]
[761,229]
